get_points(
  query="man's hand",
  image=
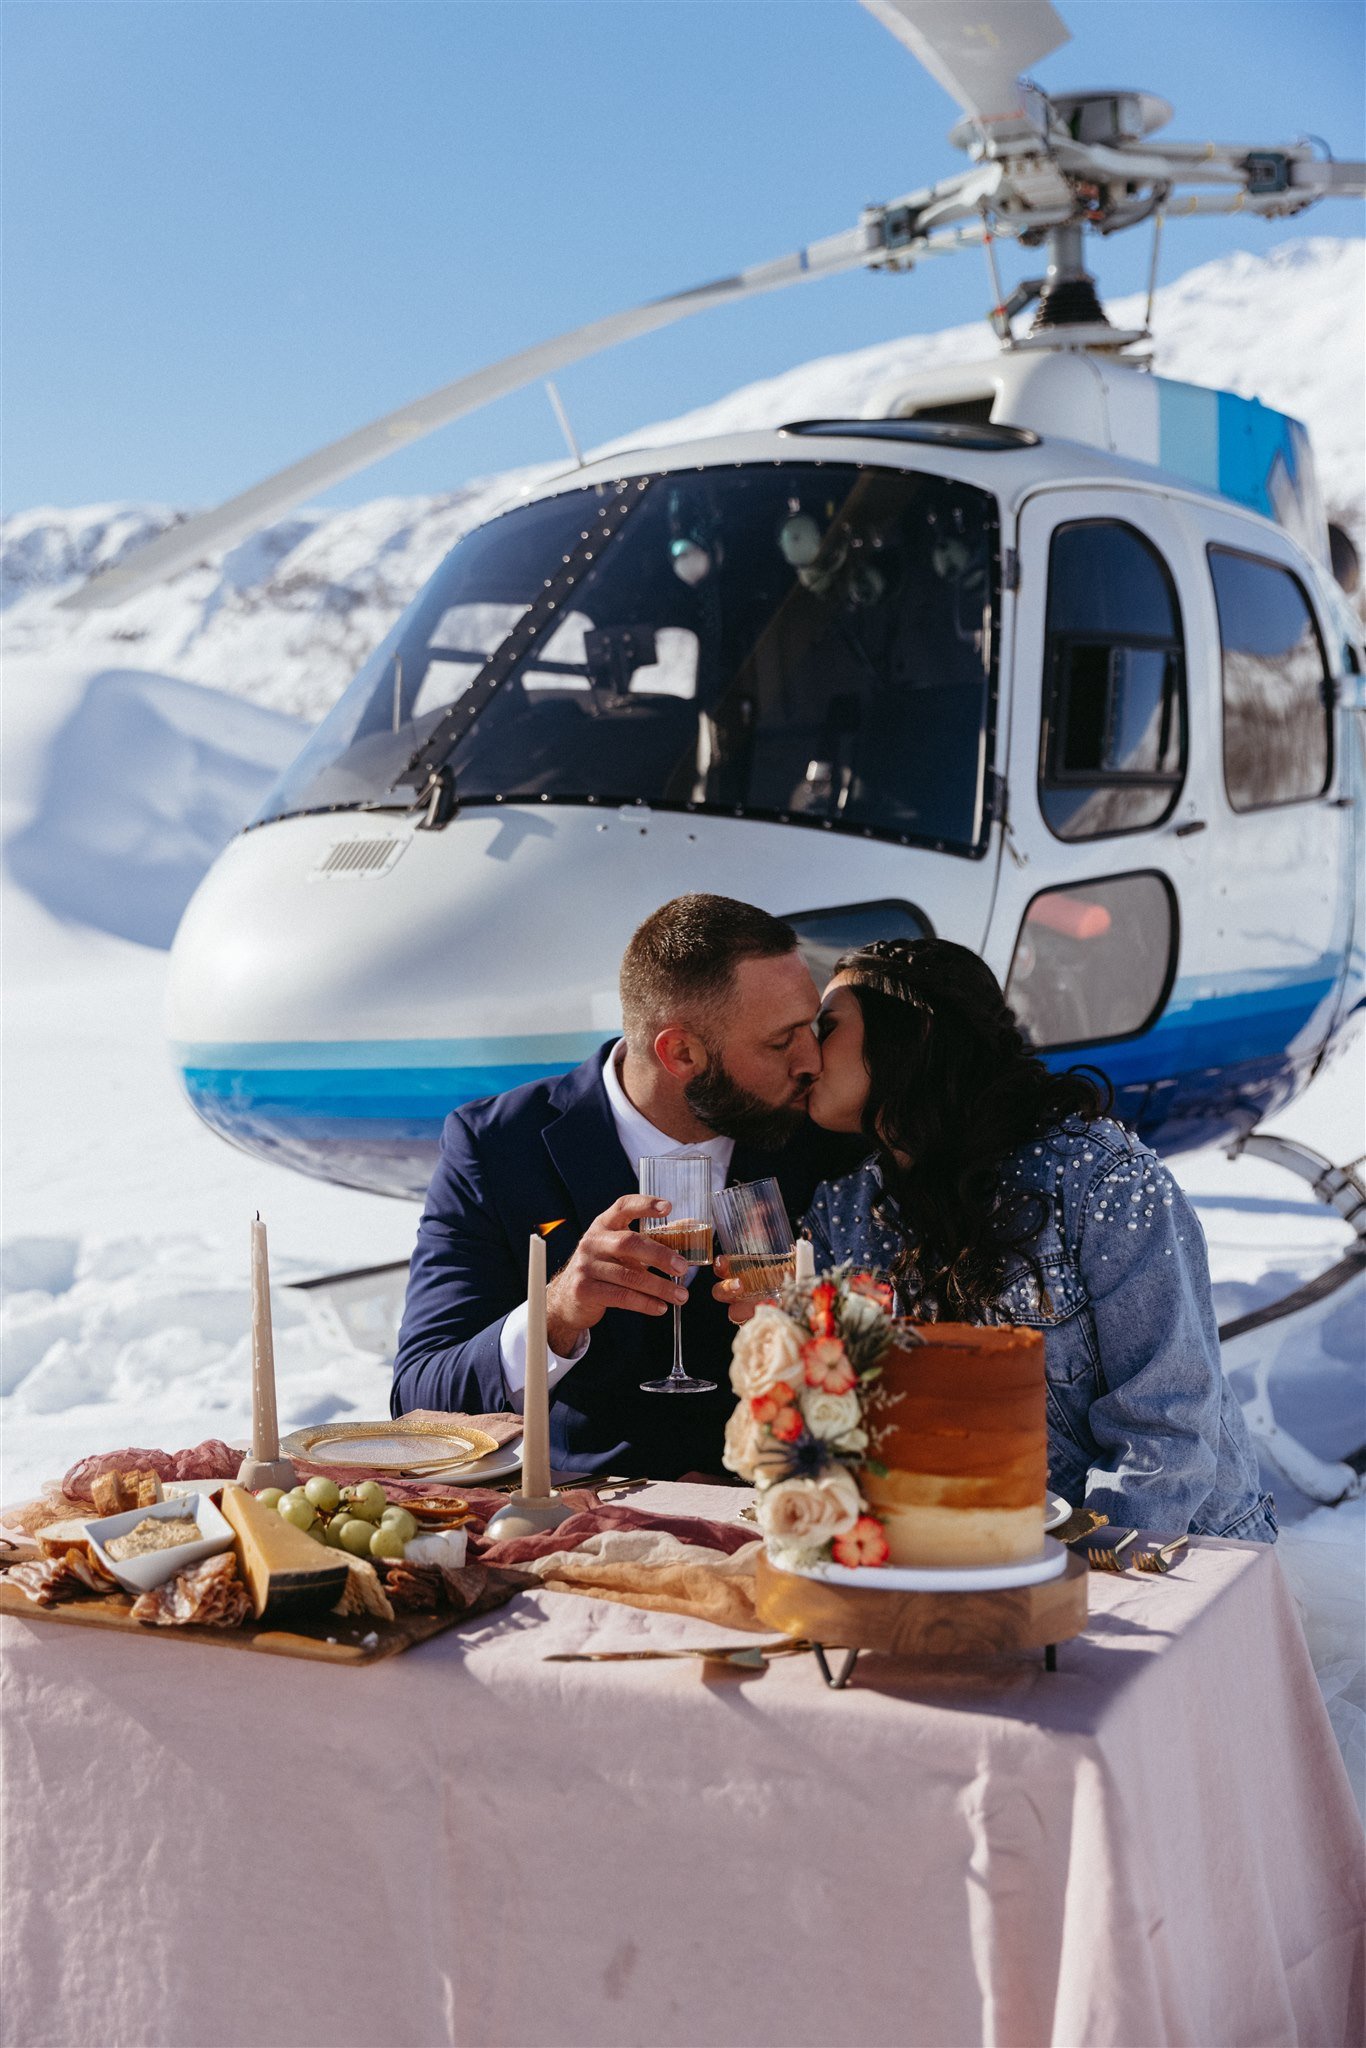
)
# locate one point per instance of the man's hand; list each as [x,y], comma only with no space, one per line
[613,1266]
[739,1307]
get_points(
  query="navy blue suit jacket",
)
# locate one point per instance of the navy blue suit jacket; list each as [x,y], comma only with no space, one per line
[545,1151]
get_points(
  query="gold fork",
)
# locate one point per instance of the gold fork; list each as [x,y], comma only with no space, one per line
[1105,1557]
[1161,1560]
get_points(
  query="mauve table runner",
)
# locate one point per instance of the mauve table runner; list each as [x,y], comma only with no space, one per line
[470,1845]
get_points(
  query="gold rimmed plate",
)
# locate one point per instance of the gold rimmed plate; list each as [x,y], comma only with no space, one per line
[414,1444]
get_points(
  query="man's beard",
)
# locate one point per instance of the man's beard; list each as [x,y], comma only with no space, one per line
[717,1100]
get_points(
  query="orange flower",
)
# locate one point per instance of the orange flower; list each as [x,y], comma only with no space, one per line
[825,1365]
[865,1543]
[823,1309]
[787,1425]
[763,1407]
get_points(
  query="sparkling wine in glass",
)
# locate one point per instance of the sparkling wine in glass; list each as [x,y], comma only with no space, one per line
[753,1231]
[683,1180]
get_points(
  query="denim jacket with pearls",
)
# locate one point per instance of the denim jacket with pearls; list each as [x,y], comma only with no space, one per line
[1141,1422]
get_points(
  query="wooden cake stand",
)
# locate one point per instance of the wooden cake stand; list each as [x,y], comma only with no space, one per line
[957,1624]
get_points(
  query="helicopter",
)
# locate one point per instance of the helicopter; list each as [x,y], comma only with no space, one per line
[1045,653]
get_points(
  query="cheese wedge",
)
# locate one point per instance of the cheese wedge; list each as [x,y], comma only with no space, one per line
[288,1574]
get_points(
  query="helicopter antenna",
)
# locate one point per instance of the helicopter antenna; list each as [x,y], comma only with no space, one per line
[563,417]
[1158,218]
[1049,168]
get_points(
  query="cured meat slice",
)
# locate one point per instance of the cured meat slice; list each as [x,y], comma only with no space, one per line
[209,1595]
[48,1580]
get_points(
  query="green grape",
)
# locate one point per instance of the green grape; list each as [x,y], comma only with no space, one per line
[399,1519]
[368,1500]
[270,1496]
[355,1536]
[332,1531]
[324,1493]
[296,1510]
[386,1542]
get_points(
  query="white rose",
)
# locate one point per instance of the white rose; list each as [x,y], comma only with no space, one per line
[743,1443]
[798,1516]
[859,1313]
[835,1419]
[767,1348]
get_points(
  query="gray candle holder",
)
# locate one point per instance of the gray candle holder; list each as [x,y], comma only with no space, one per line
[254,1473]
[525,1515]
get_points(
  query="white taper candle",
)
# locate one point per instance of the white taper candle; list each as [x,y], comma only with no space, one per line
[805,1264]
[265,1429]
[536,1398]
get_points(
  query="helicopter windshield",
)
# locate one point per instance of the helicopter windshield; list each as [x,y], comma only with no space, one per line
[807,642]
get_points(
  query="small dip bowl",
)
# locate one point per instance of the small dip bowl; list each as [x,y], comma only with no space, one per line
[154,1567]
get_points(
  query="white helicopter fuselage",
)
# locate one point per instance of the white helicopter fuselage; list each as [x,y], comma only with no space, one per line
[343,978]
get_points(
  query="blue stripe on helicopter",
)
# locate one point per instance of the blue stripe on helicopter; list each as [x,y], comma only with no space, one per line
[1201,1031]
[1236,446]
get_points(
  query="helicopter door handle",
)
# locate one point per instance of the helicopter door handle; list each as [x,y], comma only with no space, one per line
[1191,826]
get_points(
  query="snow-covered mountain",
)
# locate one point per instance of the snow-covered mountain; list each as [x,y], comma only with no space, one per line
[287,617]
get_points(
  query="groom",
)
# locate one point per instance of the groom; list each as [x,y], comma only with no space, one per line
[718,1056]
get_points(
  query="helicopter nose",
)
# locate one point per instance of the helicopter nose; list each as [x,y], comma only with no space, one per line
[341,982]
[338,985]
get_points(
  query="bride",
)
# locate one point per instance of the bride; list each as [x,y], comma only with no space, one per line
[1000,1192]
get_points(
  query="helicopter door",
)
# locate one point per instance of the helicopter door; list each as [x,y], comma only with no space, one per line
[1175,893]
[1280,904]
[1106,766]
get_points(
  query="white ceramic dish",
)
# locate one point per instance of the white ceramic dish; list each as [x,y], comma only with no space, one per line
[1056,1513]
[1050,1563]
[140,1574]
[497,1464]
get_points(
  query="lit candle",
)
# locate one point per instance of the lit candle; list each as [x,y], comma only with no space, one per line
[805,1267]
[536,1398]
[265,1429]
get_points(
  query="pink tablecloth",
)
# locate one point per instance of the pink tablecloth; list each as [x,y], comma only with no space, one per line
[470,1845]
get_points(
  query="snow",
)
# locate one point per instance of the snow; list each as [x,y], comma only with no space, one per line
[135,743]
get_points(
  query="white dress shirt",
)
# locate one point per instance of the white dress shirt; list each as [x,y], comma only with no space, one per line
[639,1140]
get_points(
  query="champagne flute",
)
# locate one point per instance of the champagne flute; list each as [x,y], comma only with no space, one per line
[754,1232]
[683,1179]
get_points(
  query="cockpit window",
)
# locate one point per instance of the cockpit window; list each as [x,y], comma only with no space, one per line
[810,642]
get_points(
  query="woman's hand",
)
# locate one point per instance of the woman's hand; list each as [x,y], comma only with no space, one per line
[739,1307]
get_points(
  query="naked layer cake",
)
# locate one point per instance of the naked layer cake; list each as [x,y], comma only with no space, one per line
[958,1423]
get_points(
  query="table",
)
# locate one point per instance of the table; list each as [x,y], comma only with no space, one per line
[470,1845]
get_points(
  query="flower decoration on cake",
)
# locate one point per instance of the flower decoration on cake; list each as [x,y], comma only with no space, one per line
[802,1371]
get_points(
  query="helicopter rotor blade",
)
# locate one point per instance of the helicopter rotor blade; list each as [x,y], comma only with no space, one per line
[976,52]
[209,532]
[1326,178]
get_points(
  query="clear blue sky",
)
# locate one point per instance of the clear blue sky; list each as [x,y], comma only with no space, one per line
[234,231]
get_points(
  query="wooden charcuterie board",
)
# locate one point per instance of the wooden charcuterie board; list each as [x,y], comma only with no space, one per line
[359,1639]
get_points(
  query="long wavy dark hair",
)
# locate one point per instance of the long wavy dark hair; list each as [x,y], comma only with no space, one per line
[955,1089]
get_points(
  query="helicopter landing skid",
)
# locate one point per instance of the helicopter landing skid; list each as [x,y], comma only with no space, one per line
[1250,1342]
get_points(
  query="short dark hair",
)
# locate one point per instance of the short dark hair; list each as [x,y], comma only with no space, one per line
[682,960]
